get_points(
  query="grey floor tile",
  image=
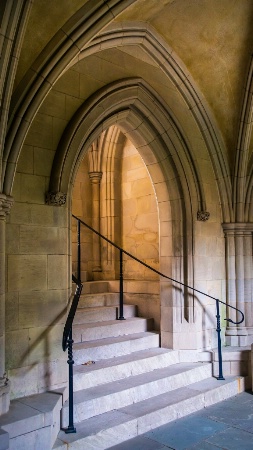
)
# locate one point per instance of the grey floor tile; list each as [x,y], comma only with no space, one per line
[139,443]
[204,446]
[233,439]
[237,412]
[186,432]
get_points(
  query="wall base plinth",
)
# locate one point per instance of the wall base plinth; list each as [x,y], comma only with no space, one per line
[4,398]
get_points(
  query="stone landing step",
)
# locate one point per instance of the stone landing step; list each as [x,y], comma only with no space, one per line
[106,397]
[130,286]
[102,286]
[111,328]
[114,369]
[111,428]
[111,347]
[102,313]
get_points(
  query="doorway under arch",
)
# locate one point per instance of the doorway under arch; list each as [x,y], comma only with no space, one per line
[113,193]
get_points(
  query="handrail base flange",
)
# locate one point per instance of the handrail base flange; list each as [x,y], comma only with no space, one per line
[69,430]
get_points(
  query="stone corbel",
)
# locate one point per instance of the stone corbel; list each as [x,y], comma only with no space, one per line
[56,198]
[6,203]
[203,216]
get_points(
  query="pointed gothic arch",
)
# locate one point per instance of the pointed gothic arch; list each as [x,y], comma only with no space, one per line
[142,116]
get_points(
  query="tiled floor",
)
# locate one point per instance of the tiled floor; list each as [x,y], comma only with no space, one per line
[226,425]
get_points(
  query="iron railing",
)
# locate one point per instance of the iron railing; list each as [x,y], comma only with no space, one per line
[67,343]
[67,334]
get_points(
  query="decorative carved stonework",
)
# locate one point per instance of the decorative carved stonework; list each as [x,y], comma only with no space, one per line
[56,198]
[4,381]
[203,216]
[6,203]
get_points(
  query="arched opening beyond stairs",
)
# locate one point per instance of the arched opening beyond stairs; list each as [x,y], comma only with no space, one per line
[126,114]
[113,193]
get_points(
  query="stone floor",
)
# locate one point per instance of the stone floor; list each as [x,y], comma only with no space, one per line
[226,425]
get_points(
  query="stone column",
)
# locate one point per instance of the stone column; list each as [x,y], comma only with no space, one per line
[5,205]
[95,174]
[95,178]
[238,238]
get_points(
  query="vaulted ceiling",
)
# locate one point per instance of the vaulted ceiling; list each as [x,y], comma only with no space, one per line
[213,39]
[196,55]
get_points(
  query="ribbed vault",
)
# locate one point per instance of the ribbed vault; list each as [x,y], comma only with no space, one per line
[47,70]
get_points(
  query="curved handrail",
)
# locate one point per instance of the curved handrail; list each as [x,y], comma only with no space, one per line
[71,314]
[160,273]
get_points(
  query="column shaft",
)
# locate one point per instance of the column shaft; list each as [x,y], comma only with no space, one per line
[5,205]
[95,178]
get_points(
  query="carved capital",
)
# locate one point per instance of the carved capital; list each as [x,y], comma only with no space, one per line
[56,198]
[6,203]
[203,216]
[95,177]
[238,228]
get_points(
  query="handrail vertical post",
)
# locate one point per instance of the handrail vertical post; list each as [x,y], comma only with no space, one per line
[78,251]
[71,428]
[121,300]
[218,329]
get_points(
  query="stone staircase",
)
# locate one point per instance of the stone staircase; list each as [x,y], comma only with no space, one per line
[132,387]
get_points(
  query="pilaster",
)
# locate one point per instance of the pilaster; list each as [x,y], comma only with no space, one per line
[238,239]
[5,206]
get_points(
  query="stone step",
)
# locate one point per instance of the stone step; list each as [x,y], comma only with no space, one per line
[130,286]
[106,397]
[111,328]
[236,361]
[99,299]
[114,369]
[33,421]
[110,347]
[4,440]
[102,313]
[96,287]
[113,427]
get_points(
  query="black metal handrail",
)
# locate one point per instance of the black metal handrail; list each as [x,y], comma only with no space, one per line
[67,341]
[121,316]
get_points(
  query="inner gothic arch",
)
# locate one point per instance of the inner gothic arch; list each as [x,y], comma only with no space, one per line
[180,197]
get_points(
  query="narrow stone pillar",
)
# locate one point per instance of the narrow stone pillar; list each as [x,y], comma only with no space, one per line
[238,238]
[95,178]
[5,205]
[248,274]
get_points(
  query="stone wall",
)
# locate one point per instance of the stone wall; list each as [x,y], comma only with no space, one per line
[140,232]
[37,280]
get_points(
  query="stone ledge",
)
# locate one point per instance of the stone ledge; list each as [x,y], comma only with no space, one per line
[34,419]
[4,398]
